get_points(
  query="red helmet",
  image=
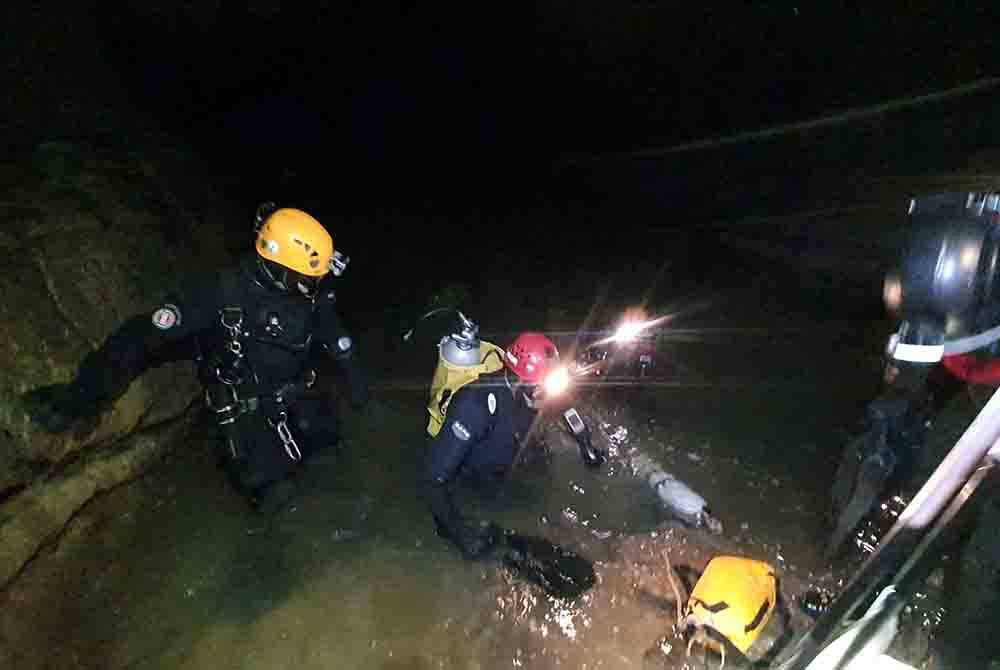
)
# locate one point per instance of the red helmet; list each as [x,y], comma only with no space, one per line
[531,356]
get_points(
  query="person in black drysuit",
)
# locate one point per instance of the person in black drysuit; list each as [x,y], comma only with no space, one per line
[945,294]
[253,331]
[484,427]
[474,444]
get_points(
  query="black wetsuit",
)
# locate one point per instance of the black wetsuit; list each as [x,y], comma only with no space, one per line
[479,440]
[275,333]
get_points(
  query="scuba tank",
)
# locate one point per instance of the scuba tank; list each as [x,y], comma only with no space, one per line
[462,358]
[686,504]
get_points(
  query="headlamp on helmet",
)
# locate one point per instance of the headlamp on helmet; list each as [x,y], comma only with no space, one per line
[338,263]
[534,359]
[556,381]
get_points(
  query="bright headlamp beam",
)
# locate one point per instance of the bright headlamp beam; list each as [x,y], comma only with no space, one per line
[556,382]
[629,330]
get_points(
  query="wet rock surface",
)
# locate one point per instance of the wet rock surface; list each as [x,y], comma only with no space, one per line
[92,235]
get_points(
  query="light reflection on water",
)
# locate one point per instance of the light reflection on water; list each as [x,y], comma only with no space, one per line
[925,609]
[618,438]
[875,526]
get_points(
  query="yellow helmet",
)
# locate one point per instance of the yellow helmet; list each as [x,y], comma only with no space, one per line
[295,240]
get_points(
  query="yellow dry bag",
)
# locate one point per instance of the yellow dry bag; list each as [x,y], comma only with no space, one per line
[736,597]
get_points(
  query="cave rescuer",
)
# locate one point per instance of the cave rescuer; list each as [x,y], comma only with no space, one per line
[252,330]
[946,268]
[947,297]
[484,409]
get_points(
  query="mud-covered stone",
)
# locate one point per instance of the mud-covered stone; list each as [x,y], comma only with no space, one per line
[92,235]
[38,514]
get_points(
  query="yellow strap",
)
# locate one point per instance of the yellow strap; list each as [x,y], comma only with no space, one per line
[450,378]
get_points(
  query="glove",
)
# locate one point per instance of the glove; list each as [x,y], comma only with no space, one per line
[591,455]
[474,541]
[59,407]
[477,542]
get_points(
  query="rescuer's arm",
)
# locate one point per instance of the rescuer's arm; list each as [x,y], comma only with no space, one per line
[333,338]
[105,373]
[465,426]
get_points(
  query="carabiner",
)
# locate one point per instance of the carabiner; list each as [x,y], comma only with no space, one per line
[287,440]
[234,345]
[231,327]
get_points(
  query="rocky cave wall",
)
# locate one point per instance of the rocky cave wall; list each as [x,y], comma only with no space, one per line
[90,237]
[101,216]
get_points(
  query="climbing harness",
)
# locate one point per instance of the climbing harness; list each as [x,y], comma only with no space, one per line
[236,393]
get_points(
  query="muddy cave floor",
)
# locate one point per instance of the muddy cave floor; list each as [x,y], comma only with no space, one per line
[174,571]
